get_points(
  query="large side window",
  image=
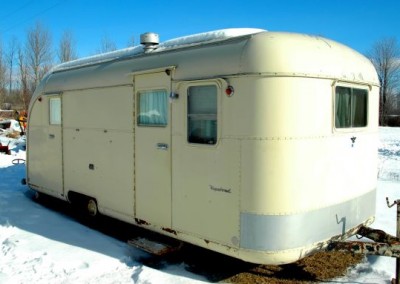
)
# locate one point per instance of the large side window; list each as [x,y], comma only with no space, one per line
[153,108]
[202,114]
[55,111]
[350,107]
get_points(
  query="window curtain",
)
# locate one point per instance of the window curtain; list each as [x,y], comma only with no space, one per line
[153,108]
[343,107]
[359,108]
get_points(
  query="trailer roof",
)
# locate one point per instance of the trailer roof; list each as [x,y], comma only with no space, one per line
[191,40]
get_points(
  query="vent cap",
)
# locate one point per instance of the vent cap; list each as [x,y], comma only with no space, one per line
[149,40]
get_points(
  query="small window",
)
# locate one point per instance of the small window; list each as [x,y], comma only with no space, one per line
[202,114]
[153,108]
[55,111]
[351,107]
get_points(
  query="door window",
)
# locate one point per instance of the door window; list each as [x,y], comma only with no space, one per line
[153,108]
[55,111]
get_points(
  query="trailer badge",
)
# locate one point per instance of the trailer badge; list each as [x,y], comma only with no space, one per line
[226,190]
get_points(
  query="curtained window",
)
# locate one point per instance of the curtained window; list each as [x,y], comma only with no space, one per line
[202,114]
[153,108]
[350,107]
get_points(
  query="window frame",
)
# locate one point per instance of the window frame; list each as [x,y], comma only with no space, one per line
[208,116]
[55,118]
[352,87]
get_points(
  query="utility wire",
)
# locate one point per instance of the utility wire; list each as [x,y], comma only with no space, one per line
[31,17]
[16,10]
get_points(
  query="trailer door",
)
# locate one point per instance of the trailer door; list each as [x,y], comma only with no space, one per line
[206,165]
[45,146]
[153,148]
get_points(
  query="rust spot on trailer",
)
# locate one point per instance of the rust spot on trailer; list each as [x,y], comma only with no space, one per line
[141,222]
[168,230]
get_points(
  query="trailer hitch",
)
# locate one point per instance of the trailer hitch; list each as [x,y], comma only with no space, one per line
[383,243]
[397,202]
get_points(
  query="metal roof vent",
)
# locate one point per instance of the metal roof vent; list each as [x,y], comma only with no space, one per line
[149,40]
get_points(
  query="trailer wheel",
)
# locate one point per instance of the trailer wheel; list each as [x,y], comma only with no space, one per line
[36,196]
[91,207]
[85,206]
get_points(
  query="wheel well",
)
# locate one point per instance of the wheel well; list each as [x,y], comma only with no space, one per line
[79,199]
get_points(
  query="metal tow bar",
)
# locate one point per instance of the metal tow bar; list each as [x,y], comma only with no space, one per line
[383,243]
[397,202]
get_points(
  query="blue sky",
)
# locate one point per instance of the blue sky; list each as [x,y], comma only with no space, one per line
[356,23]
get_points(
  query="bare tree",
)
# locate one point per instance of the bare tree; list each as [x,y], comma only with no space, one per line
[385,55]
[38,52]
[2,75]
[131,41]
[106,45]
[10,60]
[66,48]
[25,92]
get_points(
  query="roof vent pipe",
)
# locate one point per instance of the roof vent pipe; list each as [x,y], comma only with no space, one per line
[150,41]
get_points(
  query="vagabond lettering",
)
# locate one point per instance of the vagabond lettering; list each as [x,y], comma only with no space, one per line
[220,189]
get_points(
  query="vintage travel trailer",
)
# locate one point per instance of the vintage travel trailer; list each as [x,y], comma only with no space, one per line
[259,145]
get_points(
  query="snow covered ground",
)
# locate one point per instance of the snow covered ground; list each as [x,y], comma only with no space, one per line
[40,245]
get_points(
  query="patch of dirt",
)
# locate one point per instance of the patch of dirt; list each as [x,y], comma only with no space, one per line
[319,267]
[218,268]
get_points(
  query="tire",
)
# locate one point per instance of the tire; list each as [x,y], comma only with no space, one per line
[91,208]
[84,207]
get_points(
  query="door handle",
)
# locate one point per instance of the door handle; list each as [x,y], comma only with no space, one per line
[162,146]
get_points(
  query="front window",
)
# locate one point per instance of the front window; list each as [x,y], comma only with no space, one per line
[153,108]
[202,114]
[350,107]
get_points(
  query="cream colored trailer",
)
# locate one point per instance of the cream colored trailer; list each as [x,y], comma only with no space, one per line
[259,145]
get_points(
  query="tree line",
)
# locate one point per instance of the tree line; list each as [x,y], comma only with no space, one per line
[385,56]
[23,65]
